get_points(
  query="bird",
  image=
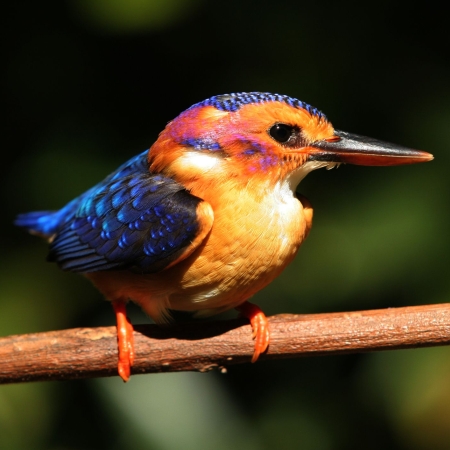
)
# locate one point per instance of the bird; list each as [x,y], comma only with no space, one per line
[209,214]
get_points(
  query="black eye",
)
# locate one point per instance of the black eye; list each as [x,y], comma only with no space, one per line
[282,133]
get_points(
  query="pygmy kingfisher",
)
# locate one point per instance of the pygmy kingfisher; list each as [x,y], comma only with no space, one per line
[209,215]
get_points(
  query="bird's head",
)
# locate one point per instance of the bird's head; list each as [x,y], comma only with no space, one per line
[263,137]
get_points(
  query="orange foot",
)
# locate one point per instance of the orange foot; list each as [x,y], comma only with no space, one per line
[125,340]
[260,327]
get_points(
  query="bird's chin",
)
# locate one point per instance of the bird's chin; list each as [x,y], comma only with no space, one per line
[297,175]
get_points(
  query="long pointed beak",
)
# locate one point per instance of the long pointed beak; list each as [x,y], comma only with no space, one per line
[364,151]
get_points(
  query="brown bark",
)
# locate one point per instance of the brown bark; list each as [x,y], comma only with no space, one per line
[202,346]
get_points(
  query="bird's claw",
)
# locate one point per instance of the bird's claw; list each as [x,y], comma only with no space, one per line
[260,327]
[125,341]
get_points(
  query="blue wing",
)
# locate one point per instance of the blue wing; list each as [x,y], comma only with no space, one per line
[131,220]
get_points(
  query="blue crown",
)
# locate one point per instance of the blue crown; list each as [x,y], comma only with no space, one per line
[232,102]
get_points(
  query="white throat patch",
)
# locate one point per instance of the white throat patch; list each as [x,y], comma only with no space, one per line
[300,173]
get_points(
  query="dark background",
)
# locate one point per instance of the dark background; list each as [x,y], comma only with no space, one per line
[86,85]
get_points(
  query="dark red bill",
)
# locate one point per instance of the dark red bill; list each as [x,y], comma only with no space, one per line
[364,151]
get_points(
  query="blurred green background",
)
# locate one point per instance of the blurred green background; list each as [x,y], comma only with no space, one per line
[87,84]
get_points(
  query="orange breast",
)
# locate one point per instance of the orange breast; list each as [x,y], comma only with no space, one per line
[256,232]
[253,238]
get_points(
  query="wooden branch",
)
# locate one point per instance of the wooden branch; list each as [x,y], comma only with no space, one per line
[202,346]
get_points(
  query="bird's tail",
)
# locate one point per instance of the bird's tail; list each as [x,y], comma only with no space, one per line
[46,223]
[42,223]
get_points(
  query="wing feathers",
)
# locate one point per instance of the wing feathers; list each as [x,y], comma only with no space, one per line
[131,220]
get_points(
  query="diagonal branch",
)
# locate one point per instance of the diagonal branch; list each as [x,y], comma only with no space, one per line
[202,346]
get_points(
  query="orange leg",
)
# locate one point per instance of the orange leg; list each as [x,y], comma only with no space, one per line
[125,341]
[260,327]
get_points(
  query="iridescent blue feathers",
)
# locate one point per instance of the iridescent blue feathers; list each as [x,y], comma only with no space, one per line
[132,220]
[232,102]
